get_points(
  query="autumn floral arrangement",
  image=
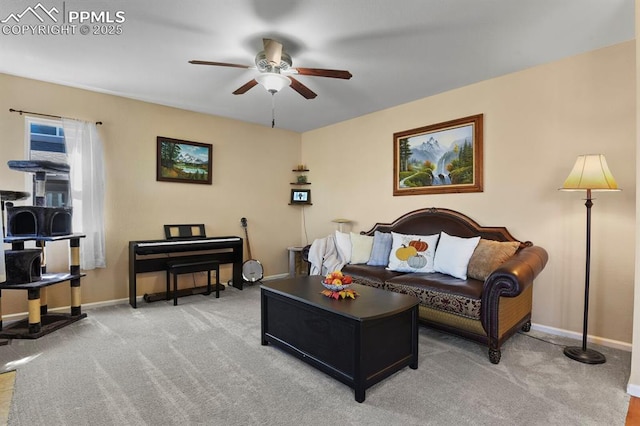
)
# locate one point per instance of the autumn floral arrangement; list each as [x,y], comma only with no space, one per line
[337,286]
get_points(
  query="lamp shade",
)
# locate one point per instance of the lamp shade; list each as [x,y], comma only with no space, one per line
[273,82]
[590,172]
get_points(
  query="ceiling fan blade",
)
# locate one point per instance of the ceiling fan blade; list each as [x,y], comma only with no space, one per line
[245,87]
[319,72]
[302,89]
[273,51]
[220,64]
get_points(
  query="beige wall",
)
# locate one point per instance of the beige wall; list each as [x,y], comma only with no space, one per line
[535,124]
[251,174]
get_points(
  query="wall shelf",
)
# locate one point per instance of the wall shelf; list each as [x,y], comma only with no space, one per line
[299,183]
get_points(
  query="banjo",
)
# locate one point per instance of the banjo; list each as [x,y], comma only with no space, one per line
[251,269]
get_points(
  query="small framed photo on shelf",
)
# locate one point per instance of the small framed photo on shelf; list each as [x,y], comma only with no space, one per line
[300,196]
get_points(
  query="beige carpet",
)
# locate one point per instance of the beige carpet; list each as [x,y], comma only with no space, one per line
[202,363]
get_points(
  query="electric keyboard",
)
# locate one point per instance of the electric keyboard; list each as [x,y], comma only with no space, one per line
[153,256]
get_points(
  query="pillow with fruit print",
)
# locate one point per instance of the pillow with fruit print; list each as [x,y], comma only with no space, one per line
[412,253]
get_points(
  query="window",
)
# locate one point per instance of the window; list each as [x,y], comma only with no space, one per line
[46,142]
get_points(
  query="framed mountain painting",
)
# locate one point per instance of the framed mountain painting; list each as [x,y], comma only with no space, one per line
[439,159]
[183,161]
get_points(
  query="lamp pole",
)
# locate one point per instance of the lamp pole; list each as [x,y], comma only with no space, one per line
[582,354]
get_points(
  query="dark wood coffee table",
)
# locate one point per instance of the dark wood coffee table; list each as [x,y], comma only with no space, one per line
[356,341]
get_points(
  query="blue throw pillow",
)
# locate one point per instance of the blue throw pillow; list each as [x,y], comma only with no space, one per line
[381,249]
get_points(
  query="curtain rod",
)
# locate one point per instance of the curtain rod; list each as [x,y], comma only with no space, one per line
[46,115]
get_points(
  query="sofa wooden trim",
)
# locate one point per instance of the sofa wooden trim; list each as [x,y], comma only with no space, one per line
[417,222]
[507,293]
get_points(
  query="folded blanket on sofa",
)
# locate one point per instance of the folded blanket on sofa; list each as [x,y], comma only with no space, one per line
[324,257]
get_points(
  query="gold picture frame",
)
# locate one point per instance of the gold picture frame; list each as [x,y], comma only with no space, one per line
[440,158]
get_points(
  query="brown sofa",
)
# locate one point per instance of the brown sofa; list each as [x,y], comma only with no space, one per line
[488,311]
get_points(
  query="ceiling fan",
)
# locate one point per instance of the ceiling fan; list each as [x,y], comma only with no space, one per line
[276,72]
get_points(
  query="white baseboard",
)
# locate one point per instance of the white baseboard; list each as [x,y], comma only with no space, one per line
[275,277]
[66,309]
[633,390]
[88,306]
[616,344]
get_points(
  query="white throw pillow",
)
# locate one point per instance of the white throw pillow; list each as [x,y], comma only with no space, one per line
[453,254]
[343,244]
[412,253]
[361,246]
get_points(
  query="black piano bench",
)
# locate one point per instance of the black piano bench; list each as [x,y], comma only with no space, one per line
[180,267]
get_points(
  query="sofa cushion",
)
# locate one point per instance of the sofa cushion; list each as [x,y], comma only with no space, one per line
[343,245]
[488,255]
[360,248]
[381,248]
[441,291]
[453,254]
[412,253]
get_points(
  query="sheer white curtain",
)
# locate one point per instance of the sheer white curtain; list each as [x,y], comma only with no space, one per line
[84,150]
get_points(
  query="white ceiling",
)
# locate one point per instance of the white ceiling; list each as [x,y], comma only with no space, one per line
[397,50]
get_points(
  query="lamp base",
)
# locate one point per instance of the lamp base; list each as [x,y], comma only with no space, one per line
[588,356]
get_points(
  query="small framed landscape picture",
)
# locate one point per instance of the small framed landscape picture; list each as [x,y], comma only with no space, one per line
[300,196]
[439,159]
[183,161]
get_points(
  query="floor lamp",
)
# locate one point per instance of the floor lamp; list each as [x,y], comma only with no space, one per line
[590,173]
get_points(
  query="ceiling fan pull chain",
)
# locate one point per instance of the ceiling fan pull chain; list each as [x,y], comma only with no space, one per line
[273,110]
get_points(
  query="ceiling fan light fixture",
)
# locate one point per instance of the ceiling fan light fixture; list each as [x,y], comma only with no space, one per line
[263,64]
[273,82]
